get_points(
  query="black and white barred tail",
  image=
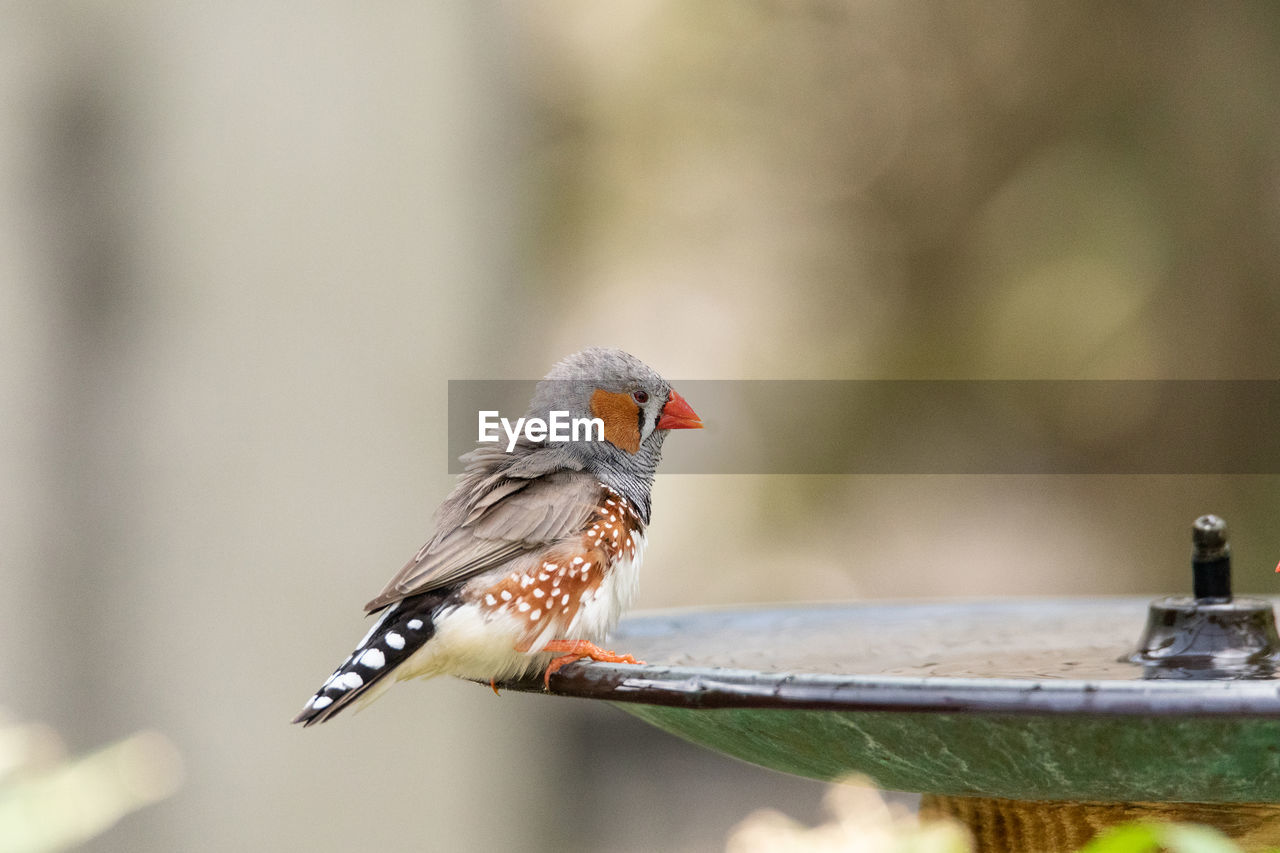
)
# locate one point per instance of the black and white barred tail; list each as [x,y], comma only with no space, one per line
[400,631]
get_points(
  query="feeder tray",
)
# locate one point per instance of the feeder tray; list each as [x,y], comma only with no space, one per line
[1007,701]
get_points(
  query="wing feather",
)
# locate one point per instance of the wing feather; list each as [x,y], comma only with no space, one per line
[512,518]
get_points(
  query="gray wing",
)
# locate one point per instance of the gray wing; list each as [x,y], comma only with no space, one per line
[513,517]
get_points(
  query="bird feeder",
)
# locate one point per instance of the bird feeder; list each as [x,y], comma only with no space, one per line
[1035,722]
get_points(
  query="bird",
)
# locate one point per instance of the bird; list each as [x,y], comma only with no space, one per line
[536,551]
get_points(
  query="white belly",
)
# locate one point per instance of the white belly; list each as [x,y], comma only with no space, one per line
[599,614]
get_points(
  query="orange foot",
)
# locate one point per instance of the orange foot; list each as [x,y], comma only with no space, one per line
[576,649]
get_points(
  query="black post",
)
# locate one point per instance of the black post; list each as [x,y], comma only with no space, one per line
[1211,559]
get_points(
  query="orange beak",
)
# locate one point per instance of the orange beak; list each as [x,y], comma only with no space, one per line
[677,414]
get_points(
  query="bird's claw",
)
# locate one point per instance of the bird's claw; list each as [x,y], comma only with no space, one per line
[576,650]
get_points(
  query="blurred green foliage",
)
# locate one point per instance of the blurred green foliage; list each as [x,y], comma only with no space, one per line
[50,801]
[1157,837]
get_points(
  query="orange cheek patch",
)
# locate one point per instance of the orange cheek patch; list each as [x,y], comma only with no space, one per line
[621,418]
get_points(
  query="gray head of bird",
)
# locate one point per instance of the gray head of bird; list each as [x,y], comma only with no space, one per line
[633,406]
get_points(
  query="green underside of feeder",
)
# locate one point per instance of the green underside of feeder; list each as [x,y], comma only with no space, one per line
[1019,756]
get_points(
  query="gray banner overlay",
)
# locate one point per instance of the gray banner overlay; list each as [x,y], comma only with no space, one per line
[944,426]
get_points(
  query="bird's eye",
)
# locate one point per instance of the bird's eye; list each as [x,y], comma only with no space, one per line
[640,397]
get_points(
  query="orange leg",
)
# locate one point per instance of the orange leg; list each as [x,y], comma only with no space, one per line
[493,685]
[576,649]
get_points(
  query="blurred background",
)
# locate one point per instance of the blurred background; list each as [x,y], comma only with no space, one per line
[243,248]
